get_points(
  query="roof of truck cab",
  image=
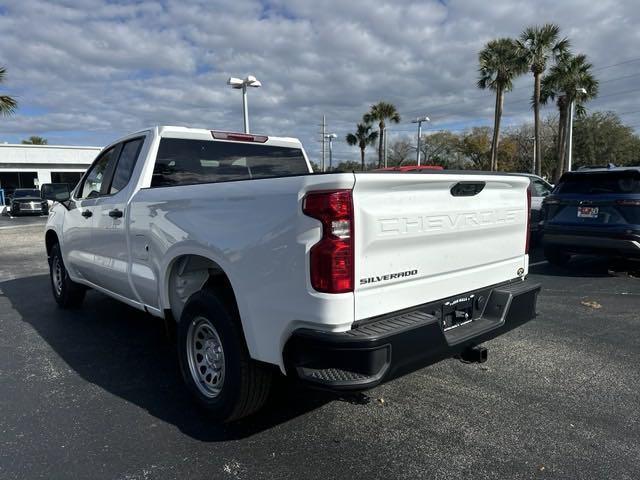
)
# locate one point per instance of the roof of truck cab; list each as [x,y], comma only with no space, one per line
[206,132]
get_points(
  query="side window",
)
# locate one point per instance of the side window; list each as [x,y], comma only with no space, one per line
[92,184]
[540,189]
[126,162]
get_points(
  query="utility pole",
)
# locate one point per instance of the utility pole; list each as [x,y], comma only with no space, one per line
[419,121]
[324,135]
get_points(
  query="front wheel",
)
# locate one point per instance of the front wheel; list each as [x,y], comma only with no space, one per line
[66,292]
[215,362]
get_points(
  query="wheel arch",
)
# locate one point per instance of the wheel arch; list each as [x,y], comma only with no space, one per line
[50,239]
[188,273]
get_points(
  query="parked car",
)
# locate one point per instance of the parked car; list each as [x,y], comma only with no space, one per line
[593,211]
[27,201]
[340,280]
[540,189]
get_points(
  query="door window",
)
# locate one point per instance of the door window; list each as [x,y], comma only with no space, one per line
[540,189]
[126,162]
[95,178]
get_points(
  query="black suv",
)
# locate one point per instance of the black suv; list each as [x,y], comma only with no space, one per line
[593,211]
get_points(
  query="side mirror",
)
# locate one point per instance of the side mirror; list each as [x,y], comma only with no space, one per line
[57,192]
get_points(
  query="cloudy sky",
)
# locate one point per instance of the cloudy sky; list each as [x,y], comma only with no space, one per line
[88,71]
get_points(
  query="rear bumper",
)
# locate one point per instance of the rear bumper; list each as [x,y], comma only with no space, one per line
[386,347]
[624,244]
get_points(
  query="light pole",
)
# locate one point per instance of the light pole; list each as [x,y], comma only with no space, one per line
[570,129]
[419,121]
[330,136]
[239,83]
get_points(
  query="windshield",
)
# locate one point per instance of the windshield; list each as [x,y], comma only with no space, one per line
[600,183]
[26,193]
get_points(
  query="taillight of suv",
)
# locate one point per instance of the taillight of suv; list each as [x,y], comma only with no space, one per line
[331,262]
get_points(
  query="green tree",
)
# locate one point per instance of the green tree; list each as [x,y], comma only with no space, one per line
[563,83]
[537,46]
[441,148]
[401,151]
[475,145]
[601,138]
[35,140]
[500,62]
[348,166]
[380,112]
[362,137]
[8,104]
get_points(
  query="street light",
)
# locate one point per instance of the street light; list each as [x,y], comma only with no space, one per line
[239,83]
[330,136]
[419,121]
[570,129]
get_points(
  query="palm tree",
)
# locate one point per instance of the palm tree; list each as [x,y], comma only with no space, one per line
[8,104]
[35,140]
[537,45]
[500,63]
[362,137]
[380,112]
[562,84]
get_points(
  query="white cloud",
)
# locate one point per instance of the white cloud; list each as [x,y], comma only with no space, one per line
[87,71]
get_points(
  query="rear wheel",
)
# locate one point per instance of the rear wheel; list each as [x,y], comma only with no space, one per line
[556,256]
[215,362]
[66,292]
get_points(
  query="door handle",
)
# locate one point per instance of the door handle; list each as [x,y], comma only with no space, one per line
[115,213]
[86,213]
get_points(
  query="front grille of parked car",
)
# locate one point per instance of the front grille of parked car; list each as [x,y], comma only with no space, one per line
[30,205]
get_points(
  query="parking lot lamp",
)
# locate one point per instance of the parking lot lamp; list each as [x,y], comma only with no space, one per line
[419,121]
[239,83]
[330,137]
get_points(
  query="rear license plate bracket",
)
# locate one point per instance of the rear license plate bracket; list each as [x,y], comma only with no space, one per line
[458,312]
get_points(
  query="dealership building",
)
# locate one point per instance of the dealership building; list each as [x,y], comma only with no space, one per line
[29,166]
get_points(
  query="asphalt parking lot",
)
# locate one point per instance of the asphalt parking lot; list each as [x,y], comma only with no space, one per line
[95,393]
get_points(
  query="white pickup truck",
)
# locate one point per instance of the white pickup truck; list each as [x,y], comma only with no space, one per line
[341,280]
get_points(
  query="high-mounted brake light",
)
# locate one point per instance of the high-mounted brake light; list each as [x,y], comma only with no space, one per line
[239,137]
[331,258]
[528,233]
[628,202]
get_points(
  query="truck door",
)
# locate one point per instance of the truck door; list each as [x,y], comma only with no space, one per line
[79,220]
[109,246]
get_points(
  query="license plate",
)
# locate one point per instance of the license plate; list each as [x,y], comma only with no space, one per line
[588,212]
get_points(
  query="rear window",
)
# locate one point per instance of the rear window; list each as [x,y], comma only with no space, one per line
[187,162]
[600,183]
[26,193]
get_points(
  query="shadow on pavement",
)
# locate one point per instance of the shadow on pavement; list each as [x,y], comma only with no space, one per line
[126,352]
[586,266]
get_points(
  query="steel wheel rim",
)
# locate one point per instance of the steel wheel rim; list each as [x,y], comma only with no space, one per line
[206,357]
[57,274]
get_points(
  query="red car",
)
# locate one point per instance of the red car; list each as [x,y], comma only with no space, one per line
[410,168]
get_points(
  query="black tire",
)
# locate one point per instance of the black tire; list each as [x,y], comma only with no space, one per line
[556,256]
[67,293]
[245,383]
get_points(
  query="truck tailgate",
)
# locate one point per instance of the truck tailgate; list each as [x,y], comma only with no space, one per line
[425,237]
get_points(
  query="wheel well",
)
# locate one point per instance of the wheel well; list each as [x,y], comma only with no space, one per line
[190,274]
[50,240]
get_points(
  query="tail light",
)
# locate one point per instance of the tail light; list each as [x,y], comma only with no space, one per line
[332,257]
[628,203]
[528,232]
